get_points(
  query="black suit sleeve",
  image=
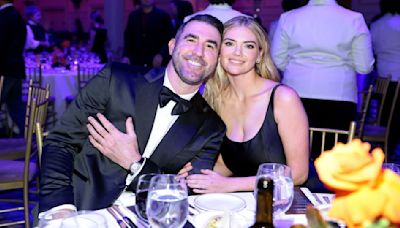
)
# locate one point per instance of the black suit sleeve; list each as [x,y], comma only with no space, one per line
[67,140]
[208,155]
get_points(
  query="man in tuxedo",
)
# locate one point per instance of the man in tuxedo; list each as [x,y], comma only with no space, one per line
[122,125]
[12,65]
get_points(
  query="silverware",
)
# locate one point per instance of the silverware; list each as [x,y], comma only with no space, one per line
[120,222]
[124,217]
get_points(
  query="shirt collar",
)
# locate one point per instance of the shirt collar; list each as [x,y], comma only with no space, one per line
[31,22]
[167,84]
[322,2]
[5,5]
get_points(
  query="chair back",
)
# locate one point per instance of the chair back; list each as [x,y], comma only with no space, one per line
[364,110]
[34,74]
[334,132]
[35,92]
[1,84]
[381,88]
[85,73]
[394,119]
[23,172]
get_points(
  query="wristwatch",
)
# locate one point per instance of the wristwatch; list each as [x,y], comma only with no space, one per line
[135,166]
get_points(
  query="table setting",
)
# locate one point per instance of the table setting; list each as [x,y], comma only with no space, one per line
[364,190]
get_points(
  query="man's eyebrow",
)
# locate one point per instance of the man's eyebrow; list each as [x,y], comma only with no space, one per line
[190,35]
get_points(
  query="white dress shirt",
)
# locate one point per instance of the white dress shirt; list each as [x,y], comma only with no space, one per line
[385,34]
[222,12]
[320,47]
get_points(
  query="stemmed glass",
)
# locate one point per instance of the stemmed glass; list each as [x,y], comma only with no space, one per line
[142,190]
[167,204]
[283,185]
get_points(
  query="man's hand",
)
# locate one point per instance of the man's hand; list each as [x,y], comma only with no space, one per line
[119,147]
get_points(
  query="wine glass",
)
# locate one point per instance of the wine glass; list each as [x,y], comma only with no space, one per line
[283,185]
[167,204]
[142,190]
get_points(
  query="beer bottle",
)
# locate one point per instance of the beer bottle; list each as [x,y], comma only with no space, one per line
[264,210]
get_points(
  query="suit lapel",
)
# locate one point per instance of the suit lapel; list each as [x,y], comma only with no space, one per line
[180,134]
[146,104]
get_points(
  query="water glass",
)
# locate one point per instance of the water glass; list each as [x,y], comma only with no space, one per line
[142,190]
[167,204]
[283,185]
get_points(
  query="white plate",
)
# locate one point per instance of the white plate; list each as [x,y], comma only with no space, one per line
[219,202]
[235,220]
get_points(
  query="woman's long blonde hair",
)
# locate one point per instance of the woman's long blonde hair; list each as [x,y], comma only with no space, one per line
[218,84]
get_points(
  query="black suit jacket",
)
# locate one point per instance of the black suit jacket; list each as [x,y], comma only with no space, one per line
[12,43]
[74,172]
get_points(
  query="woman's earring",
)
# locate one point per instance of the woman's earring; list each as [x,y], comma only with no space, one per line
[257,61]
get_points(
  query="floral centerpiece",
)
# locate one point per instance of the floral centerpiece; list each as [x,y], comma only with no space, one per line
[365,194]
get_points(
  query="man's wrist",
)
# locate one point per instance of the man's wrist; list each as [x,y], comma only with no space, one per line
[135,166]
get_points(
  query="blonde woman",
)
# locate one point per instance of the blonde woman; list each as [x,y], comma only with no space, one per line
[265,120]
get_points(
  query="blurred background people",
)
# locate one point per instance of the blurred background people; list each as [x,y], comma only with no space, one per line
[12,65]
[179,9]
[36,39]
[385,33]
[286,5]
[146,36]
[320,48]
[221,9]
[98,36]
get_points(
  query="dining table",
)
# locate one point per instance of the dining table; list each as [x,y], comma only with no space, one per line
[63,83]
[123,213]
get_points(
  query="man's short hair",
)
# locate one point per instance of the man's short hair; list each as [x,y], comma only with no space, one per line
[211,20]
[229,2]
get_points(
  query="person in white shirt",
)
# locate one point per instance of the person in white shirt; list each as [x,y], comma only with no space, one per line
[287,5]
[385,33]
[221,9]
[36,36]
[320,48]
[126,122]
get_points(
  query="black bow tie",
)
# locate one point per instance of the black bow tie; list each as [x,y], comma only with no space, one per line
[181,105]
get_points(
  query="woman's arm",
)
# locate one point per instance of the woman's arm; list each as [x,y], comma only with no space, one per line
[293,129]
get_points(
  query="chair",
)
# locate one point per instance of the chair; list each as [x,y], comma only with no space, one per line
[366,101]
[382,134]
[14,148]
[19,174]
[380,91]
[3,113]
[334,132]
[85,73]
[40,134]
[34,74]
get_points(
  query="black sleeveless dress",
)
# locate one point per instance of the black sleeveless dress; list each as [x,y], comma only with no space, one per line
[243,158]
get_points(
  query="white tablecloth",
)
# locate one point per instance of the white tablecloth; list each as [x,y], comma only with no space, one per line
[62,83]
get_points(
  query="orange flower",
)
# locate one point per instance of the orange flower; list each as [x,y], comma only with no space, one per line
[363,191]
[348,167]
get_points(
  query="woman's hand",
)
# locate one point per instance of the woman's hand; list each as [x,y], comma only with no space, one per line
[207,182]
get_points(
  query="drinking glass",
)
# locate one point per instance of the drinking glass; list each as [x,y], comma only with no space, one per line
[167,204]
[283,185]
[142,190]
